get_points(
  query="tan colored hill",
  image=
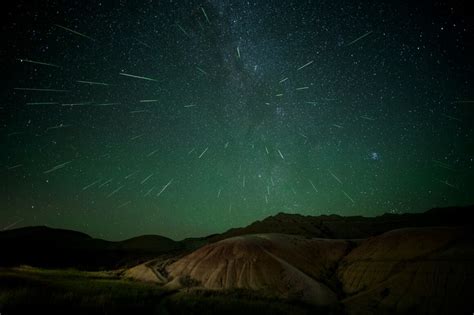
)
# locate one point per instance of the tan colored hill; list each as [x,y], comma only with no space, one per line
[411,271]
[422,270]
[275,264]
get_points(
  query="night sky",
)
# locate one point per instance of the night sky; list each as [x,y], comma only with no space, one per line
[186,118]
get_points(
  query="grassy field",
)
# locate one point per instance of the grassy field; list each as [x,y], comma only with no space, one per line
[27,290]
[30,289]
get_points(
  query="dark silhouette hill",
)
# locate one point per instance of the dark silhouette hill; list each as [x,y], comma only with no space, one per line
[57,248]
[351,227]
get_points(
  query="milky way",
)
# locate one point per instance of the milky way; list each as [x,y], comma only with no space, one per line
[186,119]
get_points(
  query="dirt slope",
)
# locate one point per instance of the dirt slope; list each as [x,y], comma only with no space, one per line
[416,270]
[283,265]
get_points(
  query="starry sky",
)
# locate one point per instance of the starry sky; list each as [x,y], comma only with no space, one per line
[187,118]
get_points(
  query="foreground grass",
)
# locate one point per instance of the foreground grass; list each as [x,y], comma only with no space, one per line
[28,290]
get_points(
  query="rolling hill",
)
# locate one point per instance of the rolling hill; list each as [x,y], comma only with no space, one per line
[57,248]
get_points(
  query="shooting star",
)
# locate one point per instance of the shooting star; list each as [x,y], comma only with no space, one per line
[38,63]
[77,104]
[302,88]
[200,25]
[14,166]
[74,32]
[243,182]
[337,126]
[443,165]
[90,185]
[314,187]
[203,152]
[115,191]
[281,155]
[131,174]
[43,103]
[40,90]
[463,102]
[182,30]
[57,167]
[451,117]
[12,224]
[305,65]
[143,43]
[105,183]
[447,183]
[152,153]
[107,104]
[191,151]
[238,52]
[147,178]
[359,38]
[266,150]
[15,133]
[149,191]
[136,137]
[124,204]
[190,105]
[348,197]
[92,83]
[335,177]
[367,118]
[58,127]
[137,77]
[164,188]
[148,101]
[202,71]
[205,15]
[283,80]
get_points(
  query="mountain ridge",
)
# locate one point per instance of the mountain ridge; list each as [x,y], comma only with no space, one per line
[33,245]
